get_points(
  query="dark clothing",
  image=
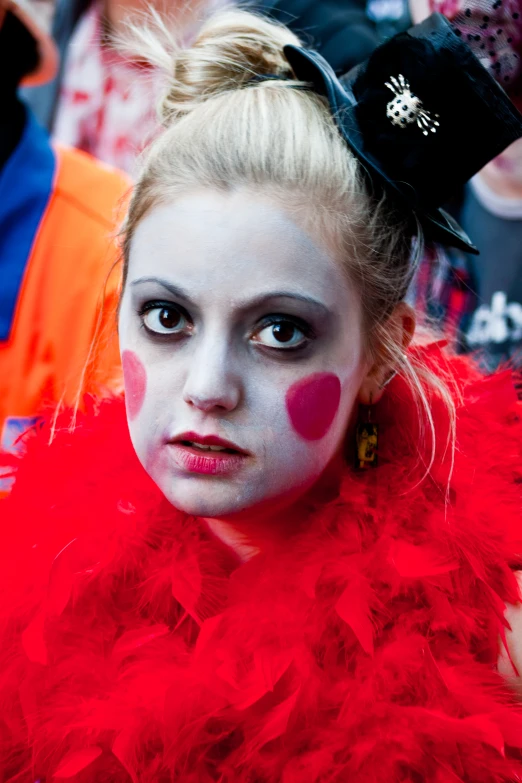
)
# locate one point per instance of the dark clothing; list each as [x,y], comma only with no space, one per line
[494,329]
[18,57]
[478,299]
[341,31]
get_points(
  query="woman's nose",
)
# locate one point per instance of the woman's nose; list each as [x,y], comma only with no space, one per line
[212,381]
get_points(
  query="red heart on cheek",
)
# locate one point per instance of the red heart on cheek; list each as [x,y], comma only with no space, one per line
[135,379]
[312,404]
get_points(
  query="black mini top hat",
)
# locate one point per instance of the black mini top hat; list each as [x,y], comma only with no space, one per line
[422,115]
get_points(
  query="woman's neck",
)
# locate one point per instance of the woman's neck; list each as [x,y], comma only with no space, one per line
[253,532]
[275,522]
[233,538]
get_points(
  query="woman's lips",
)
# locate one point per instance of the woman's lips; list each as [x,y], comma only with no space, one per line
[206,454]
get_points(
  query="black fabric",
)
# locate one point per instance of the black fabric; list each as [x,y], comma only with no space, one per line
[339,29]
[450,81]
[18,57]
[421,170]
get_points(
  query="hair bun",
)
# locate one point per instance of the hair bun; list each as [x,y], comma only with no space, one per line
[231,48]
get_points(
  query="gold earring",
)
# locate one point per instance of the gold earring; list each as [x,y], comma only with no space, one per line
[366,439]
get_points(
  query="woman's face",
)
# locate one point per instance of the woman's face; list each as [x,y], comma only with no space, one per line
[242,353]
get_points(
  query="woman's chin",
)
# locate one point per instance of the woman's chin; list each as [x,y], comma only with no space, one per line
[206,501]
[227,501]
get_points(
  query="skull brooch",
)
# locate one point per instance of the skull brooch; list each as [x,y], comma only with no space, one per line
[406,108]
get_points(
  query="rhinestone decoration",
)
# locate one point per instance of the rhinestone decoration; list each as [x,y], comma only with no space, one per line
[406,108]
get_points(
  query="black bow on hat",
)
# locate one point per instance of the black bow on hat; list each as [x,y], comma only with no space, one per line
[421,114]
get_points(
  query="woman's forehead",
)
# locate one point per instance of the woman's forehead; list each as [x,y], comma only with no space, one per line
[233,244]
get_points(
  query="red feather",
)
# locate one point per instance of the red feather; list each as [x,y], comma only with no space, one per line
[60,582]
[274,724]
[76,761]
[186,584]
[122,749]
[33,640]
[353,607]
[131,641]
[419,561]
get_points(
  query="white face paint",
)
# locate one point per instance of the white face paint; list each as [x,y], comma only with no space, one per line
[236,326]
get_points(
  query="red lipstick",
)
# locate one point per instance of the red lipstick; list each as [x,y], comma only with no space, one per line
[206,454]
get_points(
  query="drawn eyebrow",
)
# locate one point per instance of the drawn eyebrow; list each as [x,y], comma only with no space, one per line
[175,290]
[251,304]
[260,300]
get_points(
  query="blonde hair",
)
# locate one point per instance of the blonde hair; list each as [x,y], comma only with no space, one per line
[226,129]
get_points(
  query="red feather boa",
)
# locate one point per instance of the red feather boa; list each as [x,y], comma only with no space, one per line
[133,648]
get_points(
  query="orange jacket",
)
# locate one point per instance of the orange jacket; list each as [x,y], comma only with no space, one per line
[66,293]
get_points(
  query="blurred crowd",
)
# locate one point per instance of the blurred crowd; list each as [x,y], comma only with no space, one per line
[77,112]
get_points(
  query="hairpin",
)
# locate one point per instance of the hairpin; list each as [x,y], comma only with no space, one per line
[406,108]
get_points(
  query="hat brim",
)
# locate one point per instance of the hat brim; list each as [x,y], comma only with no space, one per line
[47,67]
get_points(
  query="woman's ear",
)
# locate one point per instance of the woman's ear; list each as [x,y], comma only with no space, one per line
[399,330]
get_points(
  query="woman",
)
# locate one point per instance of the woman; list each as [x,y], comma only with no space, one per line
[243,605]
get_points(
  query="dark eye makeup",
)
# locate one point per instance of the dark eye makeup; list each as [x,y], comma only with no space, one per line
[274,332]
[164,319]
[281,332]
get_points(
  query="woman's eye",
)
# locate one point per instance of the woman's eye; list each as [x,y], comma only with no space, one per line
[282,334]
[164,320]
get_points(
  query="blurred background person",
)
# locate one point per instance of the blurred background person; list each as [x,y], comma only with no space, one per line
[103,103]
[100,102]
[57,214]
[477,300]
